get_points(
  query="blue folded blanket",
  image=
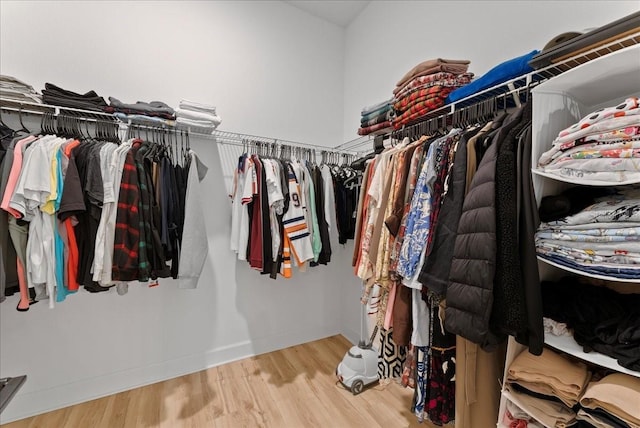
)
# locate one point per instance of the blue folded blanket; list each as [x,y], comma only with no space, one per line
[500,73]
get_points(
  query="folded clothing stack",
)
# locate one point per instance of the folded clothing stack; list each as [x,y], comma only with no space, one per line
[425,87]
[549,385]
[514,416]
[376,118]
[602,148]
[140,108]
[16,90]
[54,95]
[601,319]
[603,238]
[140,119]
[613,401]
[501,73]
[203,117]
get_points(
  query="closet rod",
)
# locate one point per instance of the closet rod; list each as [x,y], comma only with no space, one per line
[37,108]
[224,136]
[217,135]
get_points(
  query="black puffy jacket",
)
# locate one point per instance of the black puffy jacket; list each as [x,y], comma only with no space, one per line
[470,291]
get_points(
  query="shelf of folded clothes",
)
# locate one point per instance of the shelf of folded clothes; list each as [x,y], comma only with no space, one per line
[547,386]
[17,90]
[568,345]
[593,322]
[585,102]
[592,232]
[601,149]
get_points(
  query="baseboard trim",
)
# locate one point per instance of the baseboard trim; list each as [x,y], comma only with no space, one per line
[351,335]
[45,400]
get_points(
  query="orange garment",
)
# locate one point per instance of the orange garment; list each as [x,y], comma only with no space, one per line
[72,245]
[286,257]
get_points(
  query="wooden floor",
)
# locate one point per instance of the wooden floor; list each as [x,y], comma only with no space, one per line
[294,387]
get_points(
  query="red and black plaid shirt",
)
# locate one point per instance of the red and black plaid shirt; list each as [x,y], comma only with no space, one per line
[127,262]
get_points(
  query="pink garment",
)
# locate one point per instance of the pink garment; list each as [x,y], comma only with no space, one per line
[628,107]
[388,316]
[14,175]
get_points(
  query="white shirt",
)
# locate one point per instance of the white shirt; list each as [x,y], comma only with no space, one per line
[116,168]
[107,169]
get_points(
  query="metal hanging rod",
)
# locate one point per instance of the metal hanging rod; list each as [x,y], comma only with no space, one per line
[40,109]
[226,137]
[221,137]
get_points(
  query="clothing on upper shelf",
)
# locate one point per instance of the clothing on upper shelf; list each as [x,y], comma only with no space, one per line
[54,95]
[603,147]
[430,80]
[140,119]
[92,213]
[502,72]
[282,211]
[372,109]
[434,65]
[601,319]
[16,90]
[153,108]
[202,117]
[426,87]
[376,117]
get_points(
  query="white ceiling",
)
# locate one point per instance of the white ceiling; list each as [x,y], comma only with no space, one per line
[338,12]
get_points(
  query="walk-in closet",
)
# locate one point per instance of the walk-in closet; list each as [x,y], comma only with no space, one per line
[320,214]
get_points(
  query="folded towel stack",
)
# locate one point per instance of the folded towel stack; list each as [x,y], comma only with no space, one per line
[16,90]
[202,117]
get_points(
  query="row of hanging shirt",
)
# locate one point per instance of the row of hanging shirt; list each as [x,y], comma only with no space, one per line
[413,200]
[284,208]
[83,211]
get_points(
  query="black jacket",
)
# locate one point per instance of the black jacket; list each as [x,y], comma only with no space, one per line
[470,292]
[435,271]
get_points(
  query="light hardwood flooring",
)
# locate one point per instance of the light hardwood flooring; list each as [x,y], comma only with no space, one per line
[293,387]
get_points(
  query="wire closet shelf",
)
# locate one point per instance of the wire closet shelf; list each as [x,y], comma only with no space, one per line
[511,91]
[219,136]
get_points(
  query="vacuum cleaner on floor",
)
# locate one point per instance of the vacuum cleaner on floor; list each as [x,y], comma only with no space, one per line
[359,367]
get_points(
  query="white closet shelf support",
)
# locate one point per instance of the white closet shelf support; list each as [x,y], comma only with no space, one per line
[568,345]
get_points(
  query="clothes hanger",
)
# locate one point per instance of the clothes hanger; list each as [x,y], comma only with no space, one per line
[24,128]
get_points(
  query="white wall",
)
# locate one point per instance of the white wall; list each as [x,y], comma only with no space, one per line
[389,37]
[272,70]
